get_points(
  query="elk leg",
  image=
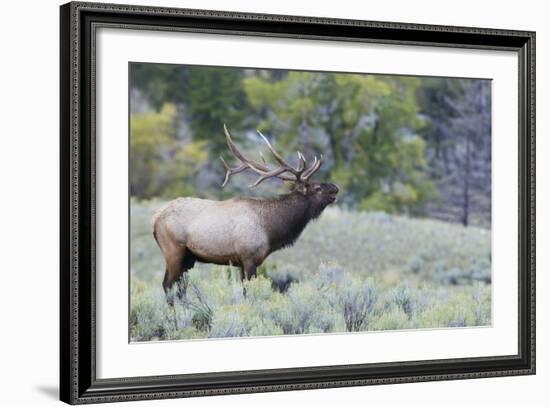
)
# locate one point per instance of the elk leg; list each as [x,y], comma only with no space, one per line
[187,263]
[181,291]
[248,270]
[167,285]
[173,272]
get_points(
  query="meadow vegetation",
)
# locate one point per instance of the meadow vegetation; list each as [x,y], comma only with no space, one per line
[349,271]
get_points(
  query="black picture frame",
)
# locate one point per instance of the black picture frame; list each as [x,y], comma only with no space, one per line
[78,382]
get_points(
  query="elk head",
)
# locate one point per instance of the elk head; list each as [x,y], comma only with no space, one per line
[299,176]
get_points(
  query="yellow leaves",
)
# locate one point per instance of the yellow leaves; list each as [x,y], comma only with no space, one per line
[405,194]
[160,163]
[194,152]
[151,129]
[411,153]
[168,111]
[391,198]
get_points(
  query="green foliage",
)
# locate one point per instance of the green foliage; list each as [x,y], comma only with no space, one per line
[258,290]
[357,299]
[160,164]
[215,97]
[451,314]
[152,319]
[365,125]
[416,263]
[330,275]
[391,320]
[150,132]
[283,276]
[161,83]
[242,320]
[403,297]
[207,97]
[305,310]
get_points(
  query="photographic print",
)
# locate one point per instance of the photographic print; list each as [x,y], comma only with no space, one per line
[266,202]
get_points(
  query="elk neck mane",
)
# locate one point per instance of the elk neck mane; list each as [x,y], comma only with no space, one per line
[284,217]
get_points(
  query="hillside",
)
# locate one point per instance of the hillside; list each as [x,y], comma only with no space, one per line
[349,271]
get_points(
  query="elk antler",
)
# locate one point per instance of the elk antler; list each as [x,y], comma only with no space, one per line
[313,169]
[299,173]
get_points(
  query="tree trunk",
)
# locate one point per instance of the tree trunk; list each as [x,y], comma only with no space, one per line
[466,183]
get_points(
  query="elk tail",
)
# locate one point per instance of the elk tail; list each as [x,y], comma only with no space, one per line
[154,221]
[157,214]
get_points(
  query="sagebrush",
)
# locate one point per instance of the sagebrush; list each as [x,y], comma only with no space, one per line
[349,271]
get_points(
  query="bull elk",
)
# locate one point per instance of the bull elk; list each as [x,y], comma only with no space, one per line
[240,231]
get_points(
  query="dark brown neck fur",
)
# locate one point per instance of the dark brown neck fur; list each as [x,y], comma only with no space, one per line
[284,217]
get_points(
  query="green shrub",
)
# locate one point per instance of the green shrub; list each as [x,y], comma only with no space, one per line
[418,273]
[357,299]
[416,264]
[481,271]
[303,310]
[202,311]
[213,287]
[392,320]
[258,289]
[405,299]
[283,276]
[241,320]
[150,316]
[330,274]
[453,276]
[482,305]
[452,314]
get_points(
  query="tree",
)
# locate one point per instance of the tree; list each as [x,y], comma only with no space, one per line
[160,164]
[161,83]
[459,137]
[206,97]
[365,124]
[215,97]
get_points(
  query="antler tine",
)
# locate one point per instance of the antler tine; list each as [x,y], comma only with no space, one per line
[231,171]
[301,159]
[306,173]
[313,169]
[263,158]
[299,174]
[262,169]
[275,173]
[302,162]
[233,148]
[277,156]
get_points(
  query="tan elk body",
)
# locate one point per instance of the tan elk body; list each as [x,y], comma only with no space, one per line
[240,231]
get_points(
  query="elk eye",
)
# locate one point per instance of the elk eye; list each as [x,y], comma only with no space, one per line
[318,189]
